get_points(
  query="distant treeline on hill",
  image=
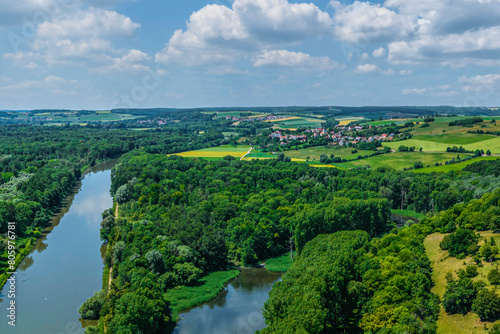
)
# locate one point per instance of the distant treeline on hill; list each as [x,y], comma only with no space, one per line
[385,111]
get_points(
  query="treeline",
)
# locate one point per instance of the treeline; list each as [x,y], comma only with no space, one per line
[345,283]
[484,167]
[467,122]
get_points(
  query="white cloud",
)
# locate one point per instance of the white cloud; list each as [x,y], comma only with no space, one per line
[49,84]
[83,38]
[133,61]
[367,68]
[91,22]
[414,91]
[380,52]
[364,22]
[298,60]
[487,79]
[406,72]
[219,35]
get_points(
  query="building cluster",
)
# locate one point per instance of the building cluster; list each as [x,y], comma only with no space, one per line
[335,138]
[253,119]
[153,121]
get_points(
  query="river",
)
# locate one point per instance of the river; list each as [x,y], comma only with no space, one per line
[237,310]
[65,267]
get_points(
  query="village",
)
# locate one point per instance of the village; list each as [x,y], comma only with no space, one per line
[336,138]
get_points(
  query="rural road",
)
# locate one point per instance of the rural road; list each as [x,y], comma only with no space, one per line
[250,150]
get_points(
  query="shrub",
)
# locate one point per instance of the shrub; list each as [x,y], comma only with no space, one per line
[487,305]
[494,277]
[91,309]
[459,296]
[460,243]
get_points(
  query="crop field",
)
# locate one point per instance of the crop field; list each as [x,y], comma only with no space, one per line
[453,167]
[298,122]
[398,160]
[258,154]
[314,153]
[442,264]
[439,143]
[399,121]
[346,120]
[217,152]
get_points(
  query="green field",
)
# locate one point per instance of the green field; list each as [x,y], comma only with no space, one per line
[314,153]
[395,121]
[299,122]
[217,152]
[454,167]
[258,154]
[399,160]
[439,143]
[442,264]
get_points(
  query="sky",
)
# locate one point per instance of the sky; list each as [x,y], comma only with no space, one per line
[103,54]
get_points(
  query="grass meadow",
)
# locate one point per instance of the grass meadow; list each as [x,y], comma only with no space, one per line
[441,264]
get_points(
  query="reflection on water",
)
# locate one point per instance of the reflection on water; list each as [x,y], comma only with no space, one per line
[236,310]
[65,267]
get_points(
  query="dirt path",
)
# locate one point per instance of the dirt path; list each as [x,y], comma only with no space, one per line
[250,150]
[111,268]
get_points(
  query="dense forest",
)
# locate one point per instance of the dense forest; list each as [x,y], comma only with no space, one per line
[39,166]
[180,219]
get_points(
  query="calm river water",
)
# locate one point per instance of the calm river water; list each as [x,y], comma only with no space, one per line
[237,310]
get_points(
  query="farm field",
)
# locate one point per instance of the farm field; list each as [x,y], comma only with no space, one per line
[346,120]
[441,264]
[298,122]
[217,152]
[399,121]
[314,153]
[453,167]
[398,160]
[439,143]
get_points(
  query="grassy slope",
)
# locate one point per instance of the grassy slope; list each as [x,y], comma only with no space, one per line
[183,298]
[315,153]
[399,160]
[454,167]
[217,152]
[442,264]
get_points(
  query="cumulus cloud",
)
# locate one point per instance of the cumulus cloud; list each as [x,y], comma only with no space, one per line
[83,37]
[455,33]
[298,60]
[415,91]
[367,68]
[217,34]
[380,52]
[364,22]
[91,22]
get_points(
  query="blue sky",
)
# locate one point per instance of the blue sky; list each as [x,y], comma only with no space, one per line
[101,54]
